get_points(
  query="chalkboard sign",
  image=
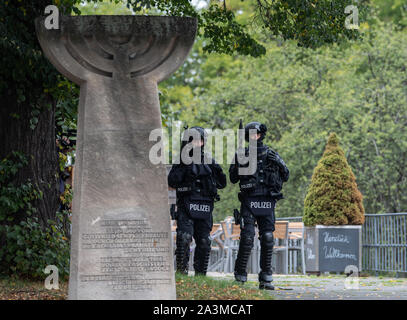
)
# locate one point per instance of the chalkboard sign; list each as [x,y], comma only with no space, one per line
[338,248]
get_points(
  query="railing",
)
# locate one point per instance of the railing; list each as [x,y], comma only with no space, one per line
[384,240]
[294,257]
[217,256]
[290,219]
[384,247]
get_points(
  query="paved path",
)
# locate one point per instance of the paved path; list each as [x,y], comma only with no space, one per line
[332,287]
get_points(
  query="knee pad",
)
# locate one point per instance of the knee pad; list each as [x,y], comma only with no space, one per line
[267,239]
[184,237]
[247,241]
[204,243]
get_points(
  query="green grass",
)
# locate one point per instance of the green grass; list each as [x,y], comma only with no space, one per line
[188,288]
[205,288]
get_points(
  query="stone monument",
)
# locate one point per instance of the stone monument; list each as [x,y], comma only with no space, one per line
[121,246]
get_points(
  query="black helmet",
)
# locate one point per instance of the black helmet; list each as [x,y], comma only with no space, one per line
[260,127]
[200,130]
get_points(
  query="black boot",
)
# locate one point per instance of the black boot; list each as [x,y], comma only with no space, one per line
[182,251]
[264,285]
[266,253]
[245,248]
[201,257]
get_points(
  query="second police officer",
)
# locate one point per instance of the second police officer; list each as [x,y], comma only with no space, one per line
[196,187]
[258,195]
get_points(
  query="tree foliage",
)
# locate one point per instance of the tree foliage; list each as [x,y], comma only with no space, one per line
[333,197]
[392,10]
[357,90]
[312,23]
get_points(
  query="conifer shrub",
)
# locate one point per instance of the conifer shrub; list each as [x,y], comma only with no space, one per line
[333,196]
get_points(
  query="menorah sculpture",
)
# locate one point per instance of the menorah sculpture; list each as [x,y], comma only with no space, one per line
[120,243]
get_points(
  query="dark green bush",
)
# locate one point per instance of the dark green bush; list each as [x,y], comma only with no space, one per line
[26,247]
[15,198]
[29,248]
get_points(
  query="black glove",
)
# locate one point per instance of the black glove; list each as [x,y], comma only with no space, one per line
[194,171]
[272,156]
[173,212]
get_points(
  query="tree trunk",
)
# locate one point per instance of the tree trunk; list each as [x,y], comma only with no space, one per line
[39,146]
[24,77]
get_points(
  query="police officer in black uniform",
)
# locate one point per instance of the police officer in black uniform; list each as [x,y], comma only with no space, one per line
[258,195]
[196,187]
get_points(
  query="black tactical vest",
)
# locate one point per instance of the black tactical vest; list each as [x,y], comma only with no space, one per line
[204,186]
[265,180]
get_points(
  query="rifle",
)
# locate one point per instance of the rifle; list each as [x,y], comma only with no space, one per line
[240,144]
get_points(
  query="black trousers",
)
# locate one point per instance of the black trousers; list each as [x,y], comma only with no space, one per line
[266,225]
[198,228]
